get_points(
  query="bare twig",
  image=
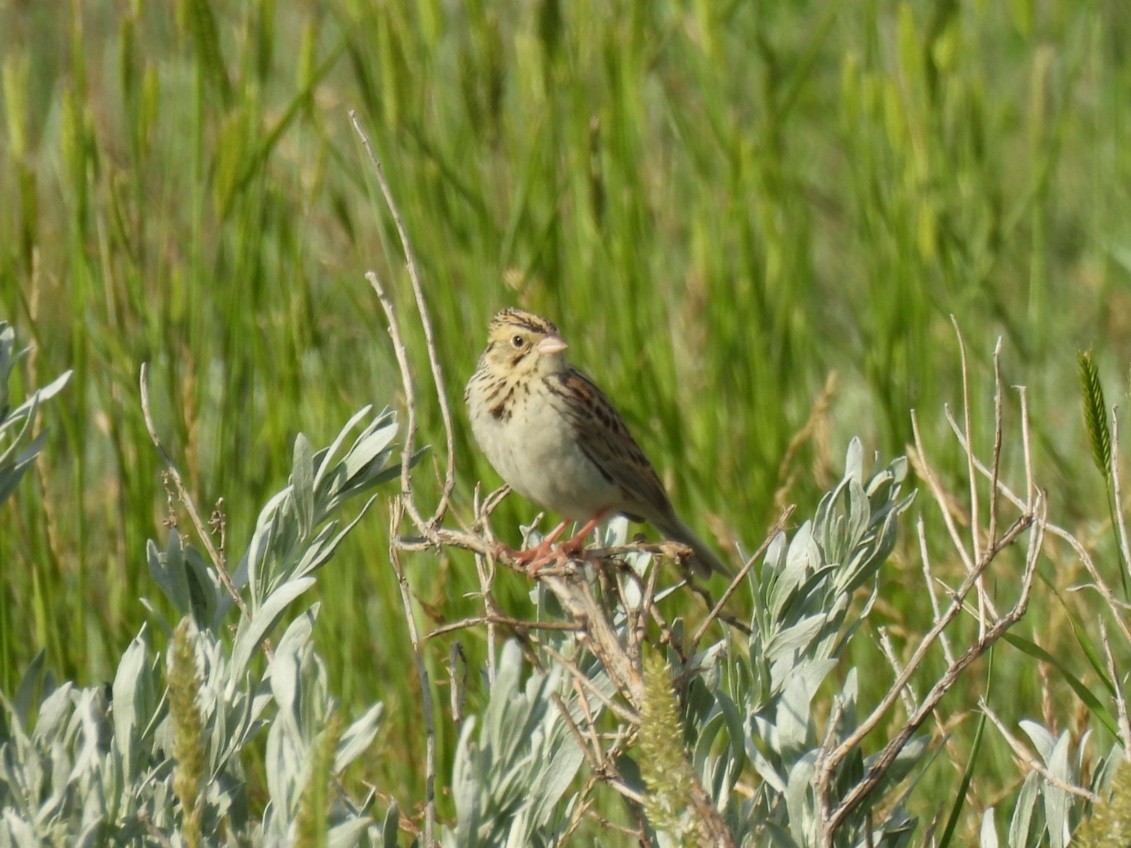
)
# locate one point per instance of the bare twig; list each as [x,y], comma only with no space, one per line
[929,582]
[421,673]
[1055,530]
[444,501]
[520,624]
[883,761]
[923,466]
[991,625]
[1117,685]
[190,506]
[999,427]
[409,446]
[968,429]
[485,571]
[1034,764]
[740,577]
[1117,494]
[627,715]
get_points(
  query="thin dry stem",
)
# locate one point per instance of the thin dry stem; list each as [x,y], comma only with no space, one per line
[1117,493]
[1120,700]
[929,582]
[998,430]
[1116,606]
[991,625]
[421,673]
[968,428]
[740,578]
[190,506]
[1031,762]
[409,447]
[444,501]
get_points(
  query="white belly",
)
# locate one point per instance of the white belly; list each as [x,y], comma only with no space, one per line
[537,454]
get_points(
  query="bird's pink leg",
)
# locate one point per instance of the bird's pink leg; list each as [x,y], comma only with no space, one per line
[572,546]
[540,552]
[533,558]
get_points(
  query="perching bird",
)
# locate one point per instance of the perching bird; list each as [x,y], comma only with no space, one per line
[556,439]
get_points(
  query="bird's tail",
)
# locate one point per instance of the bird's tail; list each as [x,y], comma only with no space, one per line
[703,559]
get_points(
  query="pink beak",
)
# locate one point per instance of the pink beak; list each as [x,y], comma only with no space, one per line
[551,344]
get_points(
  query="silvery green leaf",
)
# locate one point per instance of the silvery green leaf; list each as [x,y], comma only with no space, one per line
[854,461]
[794,639]
[794,721]
[251,633]
[1104,771]
[391,826]
[167,569]
[17,832]
[799,800]
[90,709]
[299,632]
[302,484]
[286,689]
[93,834]
[907,760]
[729,711]
[53,714]
[772,563]
[1084,755]
[1020,824]
[371,448]
[552,780]
[346,834]
[279,766]
[33,682]
[324,547]
[129,701]
[364,464]
[324,457]
[13,468]
[766,769]
[987,836]
[801,556]
[26,411]
[464,785]
[358,737]
[894,475]
[55,386]
[1043,741]
[259,550]
[205,591]
[1057,801]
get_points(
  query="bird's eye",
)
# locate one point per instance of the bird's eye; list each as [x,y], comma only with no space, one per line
[518,341]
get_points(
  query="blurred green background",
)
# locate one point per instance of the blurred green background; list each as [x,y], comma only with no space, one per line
[751,221]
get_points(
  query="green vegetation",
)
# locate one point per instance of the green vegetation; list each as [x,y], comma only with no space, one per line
[723,205]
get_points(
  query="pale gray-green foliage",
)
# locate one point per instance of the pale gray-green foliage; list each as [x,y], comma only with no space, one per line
[511,778]
[1047,814]
[755,709]
[17,448]
[92,766]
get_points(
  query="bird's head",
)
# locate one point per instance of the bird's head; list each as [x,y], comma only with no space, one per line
[521,342]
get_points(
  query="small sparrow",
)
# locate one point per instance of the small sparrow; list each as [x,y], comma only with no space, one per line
[556,439]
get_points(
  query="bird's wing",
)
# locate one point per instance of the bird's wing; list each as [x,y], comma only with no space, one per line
[604,438]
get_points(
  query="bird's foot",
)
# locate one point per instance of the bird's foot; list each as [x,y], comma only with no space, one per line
[572,546]
[533,559]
